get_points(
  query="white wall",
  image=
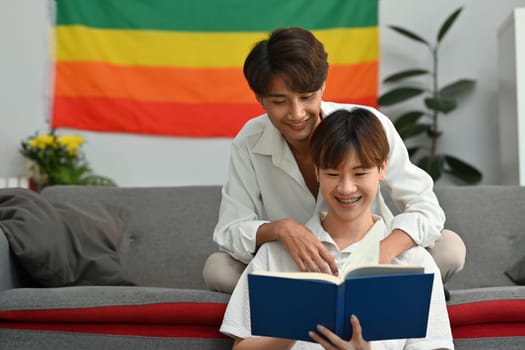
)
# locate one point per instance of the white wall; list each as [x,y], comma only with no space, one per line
[470,132]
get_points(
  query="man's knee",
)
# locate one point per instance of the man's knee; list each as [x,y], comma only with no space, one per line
[221,272]
[449,254]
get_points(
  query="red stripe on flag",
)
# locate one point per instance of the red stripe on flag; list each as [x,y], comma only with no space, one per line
[158,118]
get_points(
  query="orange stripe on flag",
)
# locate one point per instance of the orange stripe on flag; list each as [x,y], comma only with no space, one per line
[352,82]
[193,85]
[161,84]
[157,118]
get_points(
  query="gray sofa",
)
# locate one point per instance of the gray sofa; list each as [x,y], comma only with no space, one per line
[159,300]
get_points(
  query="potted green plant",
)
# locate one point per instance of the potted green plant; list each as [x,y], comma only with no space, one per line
[439,101]
[59,160]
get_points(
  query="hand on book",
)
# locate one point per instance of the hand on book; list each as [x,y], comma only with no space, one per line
[334,342]
[305,248]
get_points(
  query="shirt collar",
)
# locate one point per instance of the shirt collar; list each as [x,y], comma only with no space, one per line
[379,229]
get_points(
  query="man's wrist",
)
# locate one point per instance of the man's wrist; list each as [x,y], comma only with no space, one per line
[269,231]
[394,244]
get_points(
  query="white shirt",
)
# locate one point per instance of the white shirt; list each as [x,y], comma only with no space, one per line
[265,184]
[272,256]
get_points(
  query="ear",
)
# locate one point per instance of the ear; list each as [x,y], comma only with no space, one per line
[323,87]
[382,171]
[317,174]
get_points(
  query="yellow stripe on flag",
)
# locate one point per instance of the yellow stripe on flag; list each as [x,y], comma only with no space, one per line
[196,49]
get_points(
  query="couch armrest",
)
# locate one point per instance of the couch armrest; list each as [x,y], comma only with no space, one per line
[9,273]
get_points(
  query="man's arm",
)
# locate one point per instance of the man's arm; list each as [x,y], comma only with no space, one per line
[240,209]
[241,230]
[393,245]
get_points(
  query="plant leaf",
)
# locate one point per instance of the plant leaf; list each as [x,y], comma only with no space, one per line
[97,180]
[398,95]
[404,74]
[413,130]
[462,170]
[432,165]
[458,87]
[409,34]
[448,23]
[441,104]
[407,119]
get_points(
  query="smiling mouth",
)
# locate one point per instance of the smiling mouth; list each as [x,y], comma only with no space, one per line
[298,124]
[348,201]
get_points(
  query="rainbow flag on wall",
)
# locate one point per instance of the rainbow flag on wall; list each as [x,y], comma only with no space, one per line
[174,67]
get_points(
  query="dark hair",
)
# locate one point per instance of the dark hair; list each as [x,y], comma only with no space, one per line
[343,131]
[293,53]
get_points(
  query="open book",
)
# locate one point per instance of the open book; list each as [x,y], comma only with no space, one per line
[391,302]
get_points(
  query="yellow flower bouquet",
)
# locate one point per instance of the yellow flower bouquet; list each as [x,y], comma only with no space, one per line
[58,160]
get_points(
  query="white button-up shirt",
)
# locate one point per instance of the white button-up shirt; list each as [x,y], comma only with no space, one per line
[265,184]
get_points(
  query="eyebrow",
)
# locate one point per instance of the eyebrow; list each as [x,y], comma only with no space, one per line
[360,166]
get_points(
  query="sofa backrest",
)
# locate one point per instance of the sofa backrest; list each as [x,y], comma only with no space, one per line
[169,230]
[168,233]
[491,221]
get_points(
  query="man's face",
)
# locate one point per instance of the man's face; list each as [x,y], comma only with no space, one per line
[350,189]
[294,114]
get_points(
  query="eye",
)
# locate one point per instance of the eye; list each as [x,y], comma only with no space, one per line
[307,97]
[278,102]
[331,173]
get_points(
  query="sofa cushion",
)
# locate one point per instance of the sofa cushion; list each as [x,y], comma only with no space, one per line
[491,233]
[490,312]
[60,243]
[15,339]
[168,233]
[144,311]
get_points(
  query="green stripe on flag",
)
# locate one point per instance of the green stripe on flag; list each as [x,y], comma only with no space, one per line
[217,15]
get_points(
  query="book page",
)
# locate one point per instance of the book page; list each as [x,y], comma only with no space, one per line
[384,269]
[320,276]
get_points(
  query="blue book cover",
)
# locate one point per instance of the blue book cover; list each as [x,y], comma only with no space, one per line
[391,302]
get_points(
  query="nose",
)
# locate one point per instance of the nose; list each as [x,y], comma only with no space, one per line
[297,110]
[346,185]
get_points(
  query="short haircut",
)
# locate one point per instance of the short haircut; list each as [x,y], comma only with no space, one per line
[344,131]
[292,53]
